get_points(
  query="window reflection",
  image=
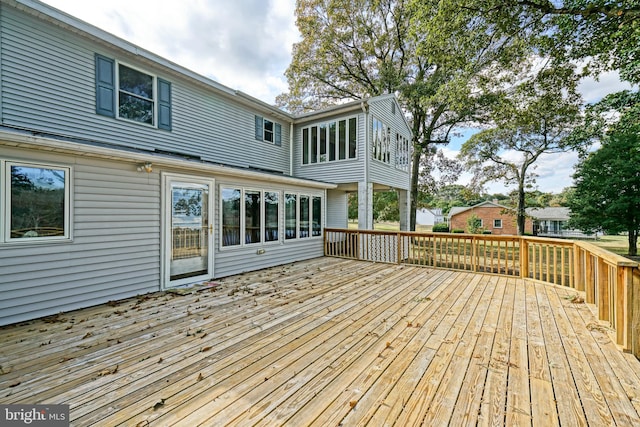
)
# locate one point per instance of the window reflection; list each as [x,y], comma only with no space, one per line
[38,202]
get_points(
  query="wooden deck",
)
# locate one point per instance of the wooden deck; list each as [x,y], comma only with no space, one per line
[330,342]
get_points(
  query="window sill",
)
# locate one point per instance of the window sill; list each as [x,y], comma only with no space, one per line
[34,242]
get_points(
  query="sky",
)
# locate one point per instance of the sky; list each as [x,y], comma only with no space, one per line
[246,45]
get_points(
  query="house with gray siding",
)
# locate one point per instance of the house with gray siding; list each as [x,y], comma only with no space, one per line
[122,173]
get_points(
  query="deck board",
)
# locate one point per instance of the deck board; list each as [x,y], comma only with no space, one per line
[329,342]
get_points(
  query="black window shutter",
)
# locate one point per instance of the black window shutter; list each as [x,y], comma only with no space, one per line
[105,86]
[278,135]
[259,128]
[164,104]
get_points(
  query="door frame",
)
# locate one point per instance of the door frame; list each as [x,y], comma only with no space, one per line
[165,228]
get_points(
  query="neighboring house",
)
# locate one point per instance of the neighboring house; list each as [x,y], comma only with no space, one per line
[552,222]
[549,221]
[124,173]
[429,216]
[494,218]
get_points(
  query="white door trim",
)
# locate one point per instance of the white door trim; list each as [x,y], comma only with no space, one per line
[165,240]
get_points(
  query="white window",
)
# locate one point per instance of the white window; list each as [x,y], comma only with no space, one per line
[252,216]
[128,93]
[271,216]
[497,223]
[291,216]
[268,131]
[249,216]
[136,98]
[403,153]
[328,142]
[381,141]
[231,216]
[36,202]
[303,216]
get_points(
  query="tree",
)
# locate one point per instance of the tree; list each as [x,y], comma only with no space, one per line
[353,49]
[534,118]
[562,199]
[533,199]
[474,225]
[607,188]
[385,206]
[353,206]
[454,195]
[605,34]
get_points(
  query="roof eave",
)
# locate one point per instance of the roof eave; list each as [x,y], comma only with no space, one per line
[40,143]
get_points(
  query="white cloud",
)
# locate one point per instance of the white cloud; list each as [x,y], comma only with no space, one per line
[243,44]
[593,90]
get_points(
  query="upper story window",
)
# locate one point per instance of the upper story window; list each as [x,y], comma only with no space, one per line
[497,223]
[268,131]
[132,94]
[381,141]
[403,153]
[135,95]
[37,202]
[330,141]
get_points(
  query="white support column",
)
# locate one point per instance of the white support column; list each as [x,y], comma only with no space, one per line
[404,205]
[365,206]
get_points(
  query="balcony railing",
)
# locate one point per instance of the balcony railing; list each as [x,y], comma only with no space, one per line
[609,281]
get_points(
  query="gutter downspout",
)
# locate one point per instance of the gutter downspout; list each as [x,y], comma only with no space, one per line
[365,109]
[290,148]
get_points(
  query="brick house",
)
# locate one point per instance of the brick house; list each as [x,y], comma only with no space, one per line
[496,218]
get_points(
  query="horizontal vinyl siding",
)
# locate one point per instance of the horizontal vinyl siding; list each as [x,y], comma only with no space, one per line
[229,262]
[387,174]
[337,209]
[115,252]
[48,85]
[340,171]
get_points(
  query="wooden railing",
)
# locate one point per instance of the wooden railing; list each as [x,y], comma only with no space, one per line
[609,281]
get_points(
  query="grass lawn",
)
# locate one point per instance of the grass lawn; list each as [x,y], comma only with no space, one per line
[615,244]
[388,226]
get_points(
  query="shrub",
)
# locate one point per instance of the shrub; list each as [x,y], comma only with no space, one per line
[440,227]
[474,225]
[486,232]
[457,230]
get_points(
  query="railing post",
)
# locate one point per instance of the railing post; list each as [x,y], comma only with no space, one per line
[524,258]
[324,236]
[624,306]
[474,253]
[603,290]
[634,315]
[433,252]
[578,268]
[398,247]
[589,279]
